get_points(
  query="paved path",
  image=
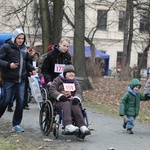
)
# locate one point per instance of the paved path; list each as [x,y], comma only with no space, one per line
[107,132]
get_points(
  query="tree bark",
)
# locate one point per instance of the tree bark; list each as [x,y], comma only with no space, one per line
[45,21]
[125,64]
[57,20]
[79,49]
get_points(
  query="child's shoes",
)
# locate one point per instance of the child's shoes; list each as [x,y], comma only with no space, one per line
[129,131]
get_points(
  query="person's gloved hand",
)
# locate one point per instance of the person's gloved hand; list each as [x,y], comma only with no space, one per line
[63,98]
[121,115]
[75,101]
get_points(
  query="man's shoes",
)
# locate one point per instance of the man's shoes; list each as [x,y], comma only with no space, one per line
[26,108]
[9,109]
[17,128]
[71,128]
[124,124]
[129,131]
[84,130]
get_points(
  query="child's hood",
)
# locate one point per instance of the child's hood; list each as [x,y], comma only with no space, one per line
[135,82]
[16,33]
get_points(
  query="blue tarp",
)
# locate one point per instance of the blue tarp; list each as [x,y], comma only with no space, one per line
[4,37]
[98,54]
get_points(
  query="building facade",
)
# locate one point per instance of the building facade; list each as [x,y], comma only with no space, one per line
[106,17]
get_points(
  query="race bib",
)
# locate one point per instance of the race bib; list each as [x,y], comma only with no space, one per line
[69,87]
[34,63]
[59,68]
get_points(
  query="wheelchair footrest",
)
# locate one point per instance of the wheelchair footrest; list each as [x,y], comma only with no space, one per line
[70,133]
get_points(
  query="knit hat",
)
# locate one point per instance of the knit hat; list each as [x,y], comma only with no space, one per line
[68,68]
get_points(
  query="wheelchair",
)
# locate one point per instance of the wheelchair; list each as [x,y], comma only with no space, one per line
[44,92]
[44,89]
[50,120]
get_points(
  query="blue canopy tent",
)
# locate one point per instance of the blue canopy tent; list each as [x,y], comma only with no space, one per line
[4,37]
[98,54]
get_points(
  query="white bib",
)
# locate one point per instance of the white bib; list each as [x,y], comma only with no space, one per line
[59,68]
[69,87]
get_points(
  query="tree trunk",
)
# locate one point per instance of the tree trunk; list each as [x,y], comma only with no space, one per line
[127,44]
[45,21]
[57,20]
[141,60]
[79,52]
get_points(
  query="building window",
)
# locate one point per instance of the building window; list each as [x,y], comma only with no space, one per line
[121,20]
[144,64]
[144,23]
[102,20]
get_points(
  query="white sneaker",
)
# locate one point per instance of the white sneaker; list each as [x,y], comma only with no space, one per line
[85,130]
[71,128]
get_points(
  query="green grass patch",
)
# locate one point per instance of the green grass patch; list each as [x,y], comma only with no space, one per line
[113,110]
[102,108]
[15,142]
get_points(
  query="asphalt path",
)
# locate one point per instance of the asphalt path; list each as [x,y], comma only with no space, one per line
[107,132]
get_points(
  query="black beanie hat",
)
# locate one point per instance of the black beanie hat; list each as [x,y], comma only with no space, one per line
[68,68]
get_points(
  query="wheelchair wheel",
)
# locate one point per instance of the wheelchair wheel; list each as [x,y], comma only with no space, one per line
[44,94]
[56,130]
[46,117]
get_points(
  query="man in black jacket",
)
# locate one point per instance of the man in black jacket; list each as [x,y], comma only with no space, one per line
[55,61]
[14,63]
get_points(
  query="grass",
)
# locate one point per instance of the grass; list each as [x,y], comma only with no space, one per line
[15,143]
[113,110]
[105,109]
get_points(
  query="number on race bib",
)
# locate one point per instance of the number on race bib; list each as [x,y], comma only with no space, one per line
[59,68]
[69,86]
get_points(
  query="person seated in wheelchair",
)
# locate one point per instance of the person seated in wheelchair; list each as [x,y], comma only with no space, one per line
[68,94]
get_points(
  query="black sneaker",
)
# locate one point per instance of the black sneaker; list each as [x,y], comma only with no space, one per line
[26,107]
[129,131]
[9,109]
[124,124]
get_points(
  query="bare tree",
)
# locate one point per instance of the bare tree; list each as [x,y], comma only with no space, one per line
[128,34]
[79,31]
[79,54]
[21,15]
[144,8]
[89,39]
[57,20]
[45,21]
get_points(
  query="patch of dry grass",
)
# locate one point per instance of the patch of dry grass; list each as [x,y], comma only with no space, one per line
[107,94]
